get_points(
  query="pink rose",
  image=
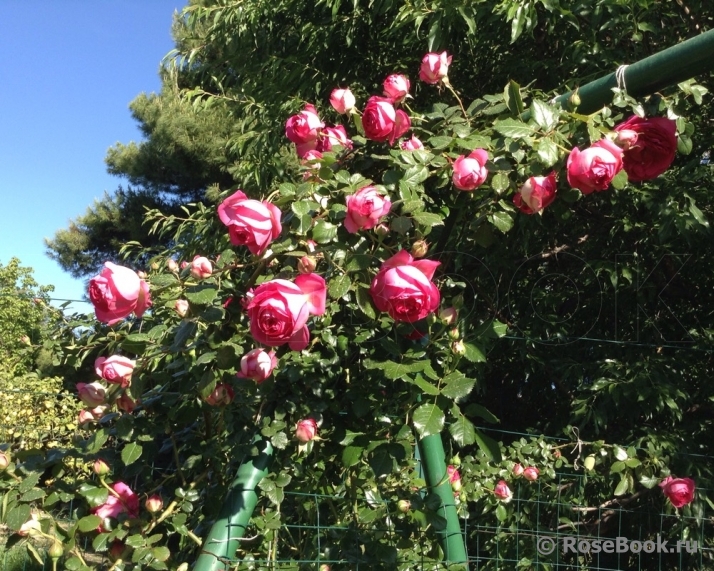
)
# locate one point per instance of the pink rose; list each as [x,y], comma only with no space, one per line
[126,501]
[306,264]
[306,430]
[201,268]
[517,470]
[126,403]
[470,171]
[91,394]
[117,292]
[381,122]
[365,208]
[396,87]
[251,223]
[653,149]
[531,473]
[181,307]
[537,193]
[222,395]
[115,369]
[85,416]
[304,127]
[594,168]
[257,364]
[503,492]
[454,477]
[403,288]
[679,491]
[342,100]
[333,136]
[279,310]
[413,144]
[434,67]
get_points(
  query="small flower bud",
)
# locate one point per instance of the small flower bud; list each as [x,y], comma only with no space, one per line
[517,470]
[56,550]
[172,265]
[4,461]
[154,504]
[448,315]
[404,506]
[306,265]
[458,348]
[142,275]
[574,99]
[184,265]
[181,307]
[420,248]
[25,340]
[531,473]
[454,334]
[589,463]
[325,567]
[626,139]
[381,230]
[222,395]
[306,430]
[101,468]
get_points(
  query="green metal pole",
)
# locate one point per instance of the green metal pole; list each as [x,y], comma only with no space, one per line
[434,462]
[668,67]
[222,542]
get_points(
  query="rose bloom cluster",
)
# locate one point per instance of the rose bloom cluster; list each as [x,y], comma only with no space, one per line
[116,371]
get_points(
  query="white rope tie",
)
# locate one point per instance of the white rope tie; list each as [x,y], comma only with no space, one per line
[620,77]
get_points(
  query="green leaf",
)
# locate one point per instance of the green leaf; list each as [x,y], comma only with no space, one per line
[364,302]
[301,207]
[502,221]
[89,523]
[648,481]
[463,431]
[545,116]
[131,453]
[474,409]
[474,353]
[401,225]
[621,487]
[488,446]
[185,331]
[99,543]
[275,495]
[324,232]
[17,516]
[500,182]
[95,443]
[424,385]
[501,512]
[457,386]
[280,440]
[620,180]
[339,286]
[427,219]
[95,496]
[684,144]
[28,482]
[547,152]
[161,553]
[513,128]
[440,142]
[428,419]
[201,294]
[415,175]
[512,97]
[135,343]
[351,455]
[620,453]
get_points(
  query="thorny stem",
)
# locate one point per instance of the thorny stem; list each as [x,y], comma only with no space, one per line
[453,91]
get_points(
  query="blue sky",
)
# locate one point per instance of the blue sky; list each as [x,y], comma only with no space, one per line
[68,72]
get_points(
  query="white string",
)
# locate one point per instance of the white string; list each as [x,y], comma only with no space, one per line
[620,77]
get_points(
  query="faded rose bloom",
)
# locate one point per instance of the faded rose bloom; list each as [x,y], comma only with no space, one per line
[434,67]
[403,288]
[396,87]
[306,430]
[448,315]
[531,473]
[304,127]
[517,470]
[279,310]
[331,136]
[679,491]
[117,292]
[306,265]
[222,395]
[127,502]
[365,208]
[470,171]
[154,504]
[91,394]
[413,144]
[537,193]
[653,150]
[503,492]
[251,223]
[257,365]
[115,369]
[342,100]
[381,122]
[594,168]
[101,468]
[126,403]
[201,268]
[84,417]
[181,307]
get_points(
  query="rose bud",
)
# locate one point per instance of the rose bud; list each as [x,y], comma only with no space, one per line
[531,473]
[503,492]
[626,138]
[84,417]
[454,478]
[679,491]
[172,265]
[413,144]
[201,268]
[325,567]
[342,100]
[126,403]
[448,315]
[181,307]
[141,274]
[330,137]
[222,395]
[454,333]
[396,87]
[4,461]
[537,193]
[184,265]
[91,394]
[101,468]
[154,504]
[381,230]
[56,550]
[574,99]
[115,369]
[589,462]
[306,430]
[404,506]
[257,365]
[458,348]
[470,171]
[306,265]
[517,470]
[434,67]
[25,340]
[419,249]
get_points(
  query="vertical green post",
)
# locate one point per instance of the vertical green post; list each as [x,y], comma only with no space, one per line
[220,546]
[431,449]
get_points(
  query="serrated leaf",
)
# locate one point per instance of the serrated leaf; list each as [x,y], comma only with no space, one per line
[161,553]
[283,480]
[97,440]
[620,180]
[616,467]
[502,221]
[547,152]
[28,482]
[621,487]
[513,128]
[620,453]
[324,232]
[280,440]
[339,286]
[300,207]
[351,455]
[201,294]
[89,523]
[135,343]
[500,182]
[501,512]
[440,142]
[427,219]
[364,302]
[275,495]
[457,386]
[684,144]
[488,446]
[17,516]
[131,453]
[648,481]
[401,224]
[415,175]
[424,385]
[428,419]
[474,409]
[512,97]
[545,116]
[463,431]
[99,543]
[474,353]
